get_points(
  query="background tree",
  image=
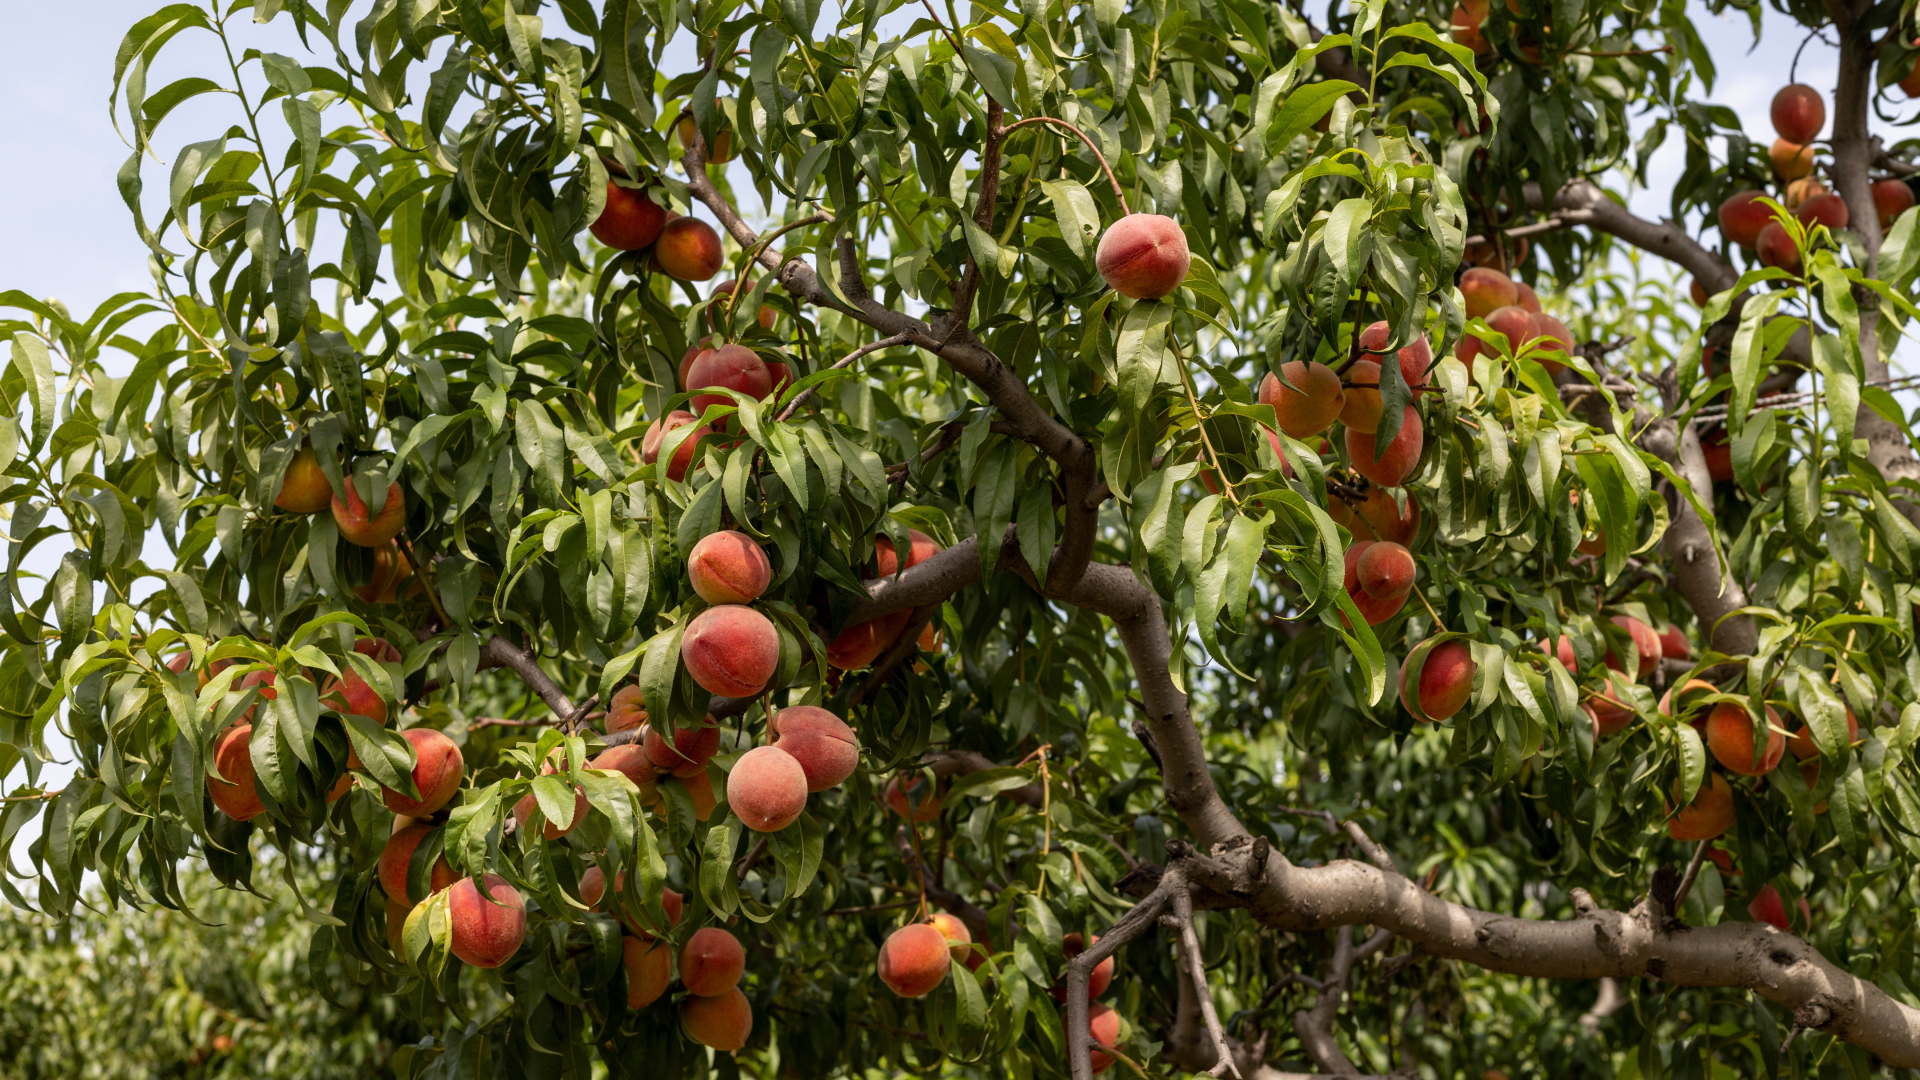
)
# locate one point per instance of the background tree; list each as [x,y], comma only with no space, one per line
[1123,499]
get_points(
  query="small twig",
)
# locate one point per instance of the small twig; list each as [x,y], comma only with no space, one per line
[1621,52]
[1693,871]
[872,347]
[1097,155]
[1189,949]
[496,721]
[39,796]
[871,909]
[752,856]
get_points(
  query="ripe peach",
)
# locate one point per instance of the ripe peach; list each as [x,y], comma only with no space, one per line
[1486,290]
[1799,191]
[1374,610]
[395,857]
[303,487]
[1516,322]
[1673,644]
[263,680]
[396,926]
[1686,692]
[630,220]
[523,813]
[351,693]
[1378,518]
[920,548]
[718,309]
[1389,465]
[700,790]
[486,930]
[1719,454]
[628,710]
[1791,161]
[914,959]
[729,568]
[1767,907]
[1697,293]
[711,962]
[1709,815]
[705,344]
[1645,642]
[767,789]
[1103,1027]
[1557,337]
[823,744]
[1776,248]
[234,791]
[1361,409]
[722,1022]
[862,643]
[1810,776]
[1723,859]
[731,650]
[1804,747]
[781,374]
[688,250]
[649,966]
[1446,681]
[1385,570]
[593,889]
[1798,113]
[1097,980]
[719,152]
[390,568]
[437,770]
[1911,84]
[1310,409]
[358,526]
[729,367]
[1742,217]
[1415,359]
[1828,210]
[1609,714]
[689,751]
[959,938]
[631,762]
[1468,17]
[1144,256]
[1891,198]
[926,802]
[1529,301]
[657,434]
[1730,737]
[1563,648]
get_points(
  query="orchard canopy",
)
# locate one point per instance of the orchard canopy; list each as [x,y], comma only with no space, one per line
[1029,540]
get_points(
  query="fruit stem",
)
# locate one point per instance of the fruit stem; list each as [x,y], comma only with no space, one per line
[1199,419]
[1097,155]
[1430,612]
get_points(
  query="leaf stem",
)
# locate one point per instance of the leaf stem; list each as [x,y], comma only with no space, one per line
[1097,155]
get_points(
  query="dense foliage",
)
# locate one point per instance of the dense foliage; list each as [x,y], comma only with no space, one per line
[425,327]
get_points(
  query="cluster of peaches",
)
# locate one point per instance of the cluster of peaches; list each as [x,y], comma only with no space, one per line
[304,490]
[1798,114]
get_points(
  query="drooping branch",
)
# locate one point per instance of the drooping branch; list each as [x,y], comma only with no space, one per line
[1582,202]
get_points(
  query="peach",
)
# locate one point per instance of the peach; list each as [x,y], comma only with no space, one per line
[1697,293]
[1723,859]
[731,650]
[1385,570]
[1415,358]
[358,526]
[781,374]
[926,802]
[1891,198]
[689,751]
[1529,300]
[1485,290]
[1767,907]
[593,889]
[1143,256]
[628,710]
[1800,191]
[631,762]
[1776,248]
[303,487]
[767,789]
[1692,686]
[390,568]
[688,250]
[1487,253]
[1810,776]
[656,437]
[1312,407]
[630,220]
[1563,649]
[437,770]
[1798,113]
[1742,217]
[1709,815]
[1361,409]
[1718,454]
[1730,736]
[1673,644]
[705,344]
[396,926]
[1791,161]
[1378,518]
[1374,610]
[523,813]
[711,962]
[263,680]
[1911,83]
[1097,980]
[1446,681]
[486,930]
[920,548]
[1392,464]
[1103,1027]
[862,643]
[729,367]
[700,789]
[353,694]
[719,152]
[1804,747]
[1556,337]
[826,748]
[718,309]
[1828,210]
[722,1022]
[1645,642]
[649,966]
[234,791]
[1609,714]
[1468,17]
[729,568]
[914,959]
[1517,323]
[959,938]
[398,854]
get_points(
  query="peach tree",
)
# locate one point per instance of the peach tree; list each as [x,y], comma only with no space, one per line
[1026,540]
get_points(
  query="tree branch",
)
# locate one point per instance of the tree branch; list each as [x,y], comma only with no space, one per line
[499,652]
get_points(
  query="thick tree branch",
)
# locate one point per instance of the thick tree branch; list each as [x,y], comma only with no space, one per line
[499,652]
[1582,202]
[1710,593]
